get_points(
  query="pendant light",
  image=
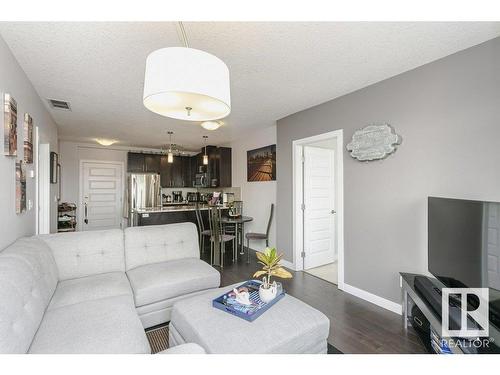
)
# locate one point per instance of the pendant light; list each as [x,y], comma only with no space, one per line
[170,155]
[211,125]
[186,84]
[205,156]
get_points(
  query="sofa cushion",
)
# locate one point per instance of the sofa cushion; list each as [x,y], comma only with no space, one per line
[69,292]
[160,281]
[107,325]
[28,278]
[160,243]
[81,254]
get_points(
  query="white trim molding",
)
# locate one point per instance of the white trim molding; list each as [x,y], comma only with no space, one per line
[287,264]
[370,297]
[297,178]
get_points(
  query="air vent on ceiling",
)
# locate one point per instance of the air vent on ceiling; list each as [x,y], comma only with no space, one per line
[59,104]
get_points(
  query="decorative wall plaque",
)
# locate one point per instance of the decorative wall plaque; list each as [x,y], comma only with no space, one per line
[373,142]
[10,126]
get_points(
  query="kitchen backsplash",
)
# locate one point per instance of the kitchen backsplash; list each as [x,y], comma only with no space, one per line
[235,190]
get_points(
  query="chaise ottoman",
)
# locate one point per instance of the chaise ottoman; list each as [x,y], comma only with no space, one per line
[290,326]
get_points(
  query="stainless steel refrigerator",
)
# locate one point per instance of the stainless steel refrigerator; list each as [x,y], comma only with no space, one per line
[144,192]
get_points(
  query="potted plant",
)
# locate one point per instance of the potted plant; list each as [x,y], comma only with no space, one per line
[270,259]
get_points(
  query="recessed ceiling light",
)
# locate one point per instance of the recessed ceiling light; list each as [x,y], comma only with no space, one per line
[105,142]
[211,125]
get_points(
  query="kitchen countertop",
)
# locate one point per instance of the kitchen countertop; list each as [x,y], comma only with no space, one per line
[174,208]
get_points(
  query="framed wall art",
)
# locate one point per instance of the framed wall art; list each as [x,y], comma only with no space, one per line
[261,164]
[54,161]
[10,126]
[28,139]
[20,187]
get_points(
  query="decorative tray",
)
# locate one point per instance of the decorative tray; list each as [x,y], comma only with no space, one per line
[227,302]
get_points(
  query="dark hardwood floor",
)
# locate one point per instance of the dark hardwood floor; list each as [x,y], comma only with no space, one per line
[356,326]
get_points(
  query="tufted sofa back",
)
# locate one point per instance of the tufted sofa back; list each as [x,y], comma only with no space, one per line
[160,243]
[28,278]
[81,254]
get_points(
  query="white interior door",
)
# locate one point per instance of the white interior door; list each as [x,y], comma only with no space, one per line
[101,195]
[319,206]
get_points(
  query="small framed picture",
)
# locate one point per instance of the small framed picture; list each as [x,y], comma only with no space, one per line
[54,161]
[10,126]
[28,139]
[20,187]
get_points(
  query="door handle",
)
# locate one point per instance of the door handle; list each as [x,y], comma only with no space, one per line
[333,212]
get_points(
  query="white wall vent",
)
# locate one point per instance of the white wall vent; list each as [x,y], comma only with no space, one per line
[59,104]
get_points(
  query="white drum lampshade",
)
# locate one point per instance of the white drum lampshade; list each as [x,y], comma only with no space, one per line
[187,84]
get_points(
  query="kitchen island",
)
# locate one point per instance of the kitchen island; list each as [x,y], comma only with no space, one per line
[175,213]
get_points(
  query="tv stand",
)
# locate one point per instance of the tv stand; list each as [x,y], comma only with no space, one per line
[425,293]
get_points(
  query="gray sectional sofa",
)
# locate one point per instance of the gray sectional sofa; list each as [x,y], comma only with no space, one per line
[95,292]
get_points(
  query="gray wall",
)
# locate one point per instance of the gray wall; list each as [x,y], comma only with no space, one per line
[14,81]
[448,113]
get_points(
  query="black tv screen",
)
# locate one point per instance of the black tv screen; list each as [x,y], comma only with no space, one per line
[464,242]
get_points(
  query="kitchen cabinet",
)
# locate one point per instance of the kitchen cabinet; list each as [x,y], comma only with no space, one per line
[224,161]
[143,163]
[176,174]
[165,172]
[219,170]
[182,172]
[152,163]
[135,162]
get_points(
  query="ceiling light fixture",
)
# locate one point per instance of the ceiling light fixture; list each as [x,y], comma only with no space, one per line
[211,125]
[186,84]
[205,156]
[105,142]
[170,154]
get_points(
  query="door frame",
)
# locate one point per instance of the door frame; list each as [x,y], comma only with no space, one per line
[297,194]
[42,170]
[79,224]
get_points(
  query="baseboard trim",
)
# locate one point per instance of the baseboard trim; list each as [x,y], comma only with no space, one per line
[370,297]
[287,264]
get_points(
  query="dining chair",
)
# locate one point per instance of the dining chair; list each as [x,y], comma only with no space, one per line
[260,236]
[218,238]
[201,228]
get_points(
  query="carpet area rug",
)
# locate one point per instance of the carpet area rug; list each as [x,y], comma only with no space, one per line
[158,340]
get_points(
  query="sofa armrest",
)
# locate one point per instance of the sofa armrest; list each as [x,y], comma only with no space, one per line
[189,348]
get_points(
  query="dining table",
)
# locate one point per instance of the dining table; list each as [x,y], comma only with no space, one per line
[239,223]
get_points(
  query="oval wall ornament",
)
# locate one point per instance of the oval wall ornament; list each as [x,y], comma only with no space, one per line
[373,142]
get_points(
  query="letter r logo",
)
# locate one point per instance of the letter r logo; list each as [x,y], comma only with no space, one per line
[472,319]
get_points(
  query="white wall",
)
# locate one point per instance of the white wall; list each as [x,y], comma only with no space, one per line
[14,81]
[257,196]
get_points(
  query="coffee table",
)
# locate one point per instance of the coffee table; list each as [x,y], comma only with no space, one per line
[289,327]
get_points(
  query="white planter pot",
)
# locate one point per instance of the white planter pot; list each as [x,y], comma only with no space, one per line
[267,295]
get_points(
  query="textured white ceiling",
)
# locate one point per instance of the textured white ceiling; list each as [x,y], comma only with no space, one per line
[276,69]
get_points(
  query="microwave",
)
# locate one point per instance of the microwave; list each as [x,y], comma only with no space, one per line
[200,180]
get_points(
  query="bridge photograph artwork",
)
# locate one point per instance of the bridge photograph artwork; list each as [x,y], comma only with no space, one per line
[261,164]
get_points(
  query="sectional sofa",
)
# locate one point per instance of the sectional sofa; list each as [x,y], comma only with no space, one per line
[96,292]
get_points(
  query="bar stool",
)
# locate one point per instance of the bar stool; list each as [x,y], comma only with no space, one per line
[218,239]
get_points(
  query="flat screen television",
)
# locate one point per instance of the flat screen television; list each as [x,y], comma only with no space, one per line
[464,245]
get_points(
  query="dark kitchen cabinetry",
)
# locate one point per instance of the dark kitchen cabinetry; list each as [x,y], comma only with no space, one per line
[152,163]
[218,169]
[182,172]
[224,166]
[135,162]
[176,174]
[143,163]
